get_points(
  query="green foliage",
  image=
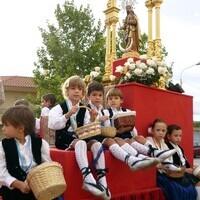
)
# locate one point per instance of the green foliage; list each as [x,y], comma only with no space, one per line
[75,46]
[34,104]
[196,124]
[143,44]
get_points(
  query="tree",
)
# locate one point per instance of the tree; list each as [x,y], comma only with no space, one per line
[196,124]
[75,46]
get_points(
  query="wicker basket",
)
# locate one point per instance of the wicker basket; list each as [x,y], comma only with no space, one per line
[88,130]
[175,174]
[124,122]
[108,131]
[47,181]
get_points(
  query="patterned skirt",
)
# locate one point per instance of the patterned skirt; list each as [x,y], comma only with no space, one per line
[174,189]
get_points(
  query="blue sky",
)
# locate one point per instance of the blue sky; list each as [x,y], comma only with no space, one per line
[180,31]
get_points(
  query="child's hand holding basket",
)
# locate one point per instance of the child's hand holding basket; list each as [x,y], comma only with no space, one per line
[88,130]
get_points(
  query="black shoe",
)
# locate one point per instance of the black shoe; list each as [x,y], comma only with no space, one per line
[101,173]
[107,194]
[94,188]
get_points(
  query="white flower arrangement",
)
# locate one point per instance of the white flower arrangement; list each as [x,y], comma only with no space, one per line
[94,75]
[145,71]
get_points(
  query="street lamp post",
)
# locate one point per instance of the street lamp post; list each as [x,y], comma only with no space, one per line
[181,80]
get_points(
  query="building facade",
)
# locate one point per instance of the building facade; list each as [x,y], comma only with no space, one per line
[15,87]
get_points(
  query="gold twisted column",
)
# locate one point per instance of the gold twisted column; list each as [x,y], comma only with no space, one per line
[113,3]
[158,46]
[114,55]
[111,20]
[109,4]
[108,62]
[150,48]
[108,39]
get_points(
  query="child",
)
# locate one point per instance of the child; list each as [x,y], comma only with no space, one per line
[20,151]
[95,95]
[48,101]
[121,147]
[24,102]
[74,89]
[173,190]
[21,102]
[174,137]
[156,140]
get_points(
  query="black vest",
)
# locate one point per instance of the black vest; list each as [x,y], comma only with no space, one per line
[63,139]
[176,158]
[111,112]
[13,166]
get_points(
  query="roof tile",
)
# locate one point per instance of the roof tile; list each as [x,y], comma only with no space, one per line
[18,81]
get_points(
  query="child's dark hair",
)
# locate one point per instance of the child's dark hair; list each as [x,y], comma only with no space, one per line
[158,120]
[114,92]
[172,127]
[20,115]
[50,97]
[95,86]
[21,102]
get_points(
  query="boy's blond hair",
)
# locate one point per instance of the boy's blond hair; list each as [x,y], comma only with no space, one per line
[114,92]
[71,82]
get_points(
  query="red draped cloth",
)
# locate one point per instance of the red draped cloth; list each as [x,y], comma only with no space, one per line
[149,103]
[123,183]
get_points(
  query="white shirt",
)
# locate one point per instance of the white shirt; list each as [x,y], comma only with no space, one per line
[99,109]
[57,119]
[115,111]
[180,153]
[45,111]
[160,146]
[37,125]
[26,159]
